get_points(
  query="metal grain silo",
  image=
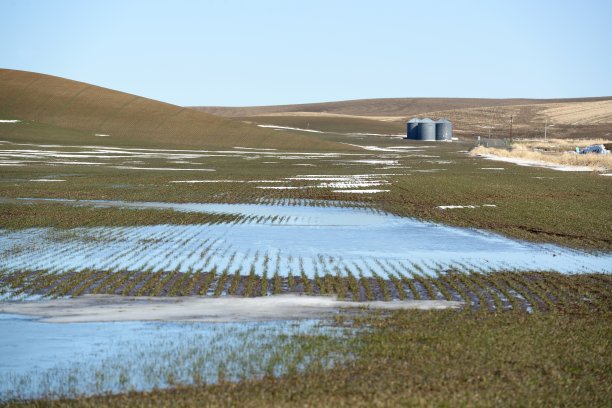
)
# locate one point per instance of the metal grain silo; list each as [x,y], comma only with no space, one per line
[426,130]
[412,129]
[444,130]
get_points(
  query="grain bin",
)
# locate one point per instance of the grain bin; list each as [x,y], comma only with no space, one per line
[426,130]
[444,130]
[412,129]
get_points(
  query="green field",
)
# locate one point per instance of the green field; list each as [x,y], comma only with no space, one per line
[522,338]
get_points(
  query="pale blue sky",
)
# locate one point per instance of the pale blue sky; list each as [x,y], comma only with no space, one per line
[274,52]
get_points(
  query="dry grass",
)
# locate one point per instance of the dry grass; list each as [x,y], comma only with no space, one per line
[557,145]
[596,162]
[401,107]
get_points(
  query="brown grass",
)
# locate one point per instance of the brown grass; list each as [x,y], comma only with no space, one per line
[401,107]
[596,162]
[45,99]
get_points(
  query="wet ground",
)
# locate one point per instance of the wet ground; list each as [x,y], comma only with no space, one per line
[41,359]
[272,239]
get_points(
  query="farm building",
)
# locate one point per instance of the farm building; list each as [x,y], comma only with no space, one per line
[429,130]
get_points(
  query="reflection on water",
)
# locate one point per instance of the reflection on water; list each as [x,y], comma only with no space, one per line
[280,239]
[49,359]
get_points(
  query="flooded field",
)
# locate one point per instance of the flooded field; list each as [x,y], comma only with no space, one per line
[276,240]
[41,359]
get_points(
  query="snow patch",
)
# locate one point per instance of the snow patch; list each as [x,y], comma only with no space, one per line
[289,128]
[453,207]
[535,163]
[368,191]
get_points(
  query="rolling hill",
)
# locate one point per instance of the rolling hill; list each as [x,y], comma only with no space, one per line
[576,117]
[398,107]
[54,109]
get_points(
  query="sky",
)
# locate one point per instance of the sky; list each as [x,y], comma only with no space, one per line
[240,53]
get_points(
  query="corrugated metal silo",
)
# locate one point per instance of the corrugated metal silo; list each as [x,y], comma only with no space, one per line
[426,130]
[412,129]
[444,130]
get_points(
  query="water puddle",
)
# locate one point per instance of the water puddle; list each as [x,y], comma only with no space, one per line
[71,359]
[283,239]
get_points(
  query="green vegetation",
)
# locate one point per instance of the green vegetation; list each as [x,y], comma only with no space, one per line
[530,203]
[428,358]
[524,338]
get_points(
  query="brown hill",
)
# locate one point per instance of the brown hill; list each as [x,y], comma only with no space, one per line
[577,117]
[78,111]
[399,107]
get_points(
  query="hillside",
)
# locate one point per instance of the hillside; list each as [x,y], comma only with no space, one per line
[578,117]
[384,106]
[56,109]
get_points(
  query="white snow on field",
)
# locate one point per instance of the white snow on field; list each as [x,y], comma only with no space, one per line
[101,135]
[409,147]
[453,207]
[377,134]
[227,181]
[205,181]
[492,168]
[353,184]
[158,168]
[9,121]
[608,174]
[253,148]
[369,191]
[535,163]
[396,149]
[281,188]
[290,128]
[47,180]
[377,161]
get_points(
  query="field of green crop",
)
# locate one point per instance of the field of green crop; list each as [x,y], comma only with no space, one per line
[523,338]
[568,208]
[426,358]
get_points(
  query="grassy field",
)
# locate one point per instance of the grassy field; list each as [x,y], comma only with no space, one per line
[523,338]
[49,105]
[531,203]
[416,358]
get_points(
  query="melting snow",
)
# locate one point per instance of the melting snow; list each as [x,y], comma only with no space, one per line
[535,163]
[290,128]
[452,207]
[370,191]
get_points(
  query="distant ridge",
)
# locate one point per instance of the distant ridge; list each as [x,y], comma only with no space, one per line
[89,109]
[385,106]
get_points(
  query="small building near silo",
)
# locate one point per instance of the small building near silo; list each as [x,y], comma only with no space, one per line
[429,130]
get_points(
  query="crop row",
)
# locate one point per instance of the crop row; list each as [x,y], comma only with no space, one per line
[508,290]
